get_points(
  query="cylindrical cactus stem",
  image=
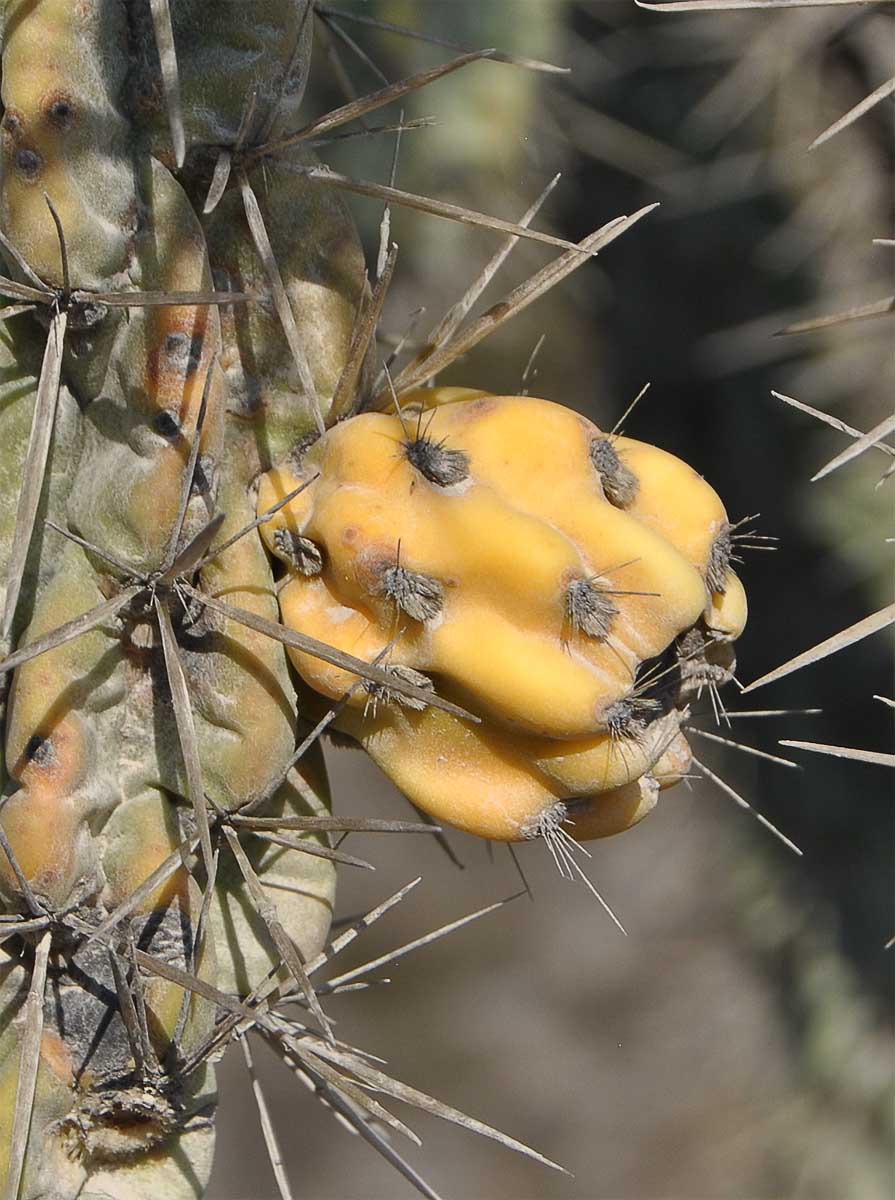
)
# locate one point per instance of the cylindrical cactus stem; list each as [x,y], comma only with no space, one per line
[143,393]
[66,135]
[320,259]
[97,1127]
[20,356]
[235,71]
[97,741]
[301,885]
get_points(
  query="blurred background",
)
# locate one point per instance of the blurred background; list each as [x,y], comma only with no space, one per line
[739,1042]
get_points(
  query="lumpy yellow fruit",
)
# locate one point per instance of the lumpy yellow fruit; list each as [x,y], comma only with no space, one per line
[533,569]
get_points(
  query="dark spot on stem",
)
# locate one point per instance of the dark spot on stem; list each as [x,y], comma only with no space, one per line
[28,162]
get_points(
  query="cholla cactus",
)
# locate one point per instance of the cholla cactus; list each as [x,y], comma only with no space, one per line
[209,319]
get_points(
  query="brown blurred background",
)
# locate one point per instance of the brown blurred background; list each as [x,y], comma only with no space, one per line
[738,1042]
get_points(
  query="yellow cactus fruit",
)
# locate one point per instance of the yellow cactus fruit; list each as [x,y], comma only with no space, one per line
[505,552]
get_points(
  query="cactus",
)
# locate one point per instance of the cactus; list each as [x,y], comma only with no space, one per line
[155,801]
[215,469]
[578,559]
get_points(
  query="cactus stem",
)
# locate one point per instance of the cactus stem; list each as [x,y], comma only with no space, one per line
[182,857]
[71,629]
[92,549]
[280,298]
[186,730]
[34,905]
[35,466]
[286,80]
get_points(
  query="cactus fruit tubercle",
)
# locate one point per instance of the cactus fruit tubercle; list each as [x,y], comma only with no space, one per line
[571,588]
[529,604]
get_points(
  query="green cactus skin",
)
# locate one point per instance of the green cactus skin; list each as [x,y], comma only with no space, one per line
[233,58]
[97,788]
[20,355]
[64,133]
[320,258]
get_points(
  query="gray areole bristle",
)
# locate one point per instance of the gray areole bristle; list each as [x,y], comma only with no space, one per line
[419,596]
[589,609]
[300,552]
[630,716]
[381,692]
[619,481]
[437,463]
[545,824]
[719,560]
